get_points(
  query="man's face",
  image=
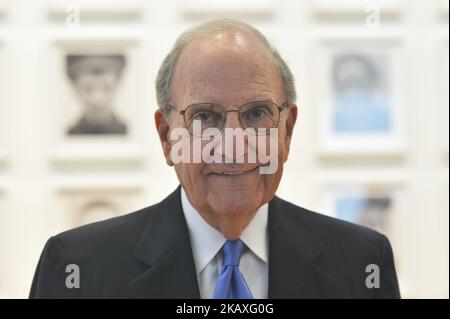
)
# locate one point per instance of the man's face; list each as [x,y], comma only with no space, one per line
[228,69]
[96,89]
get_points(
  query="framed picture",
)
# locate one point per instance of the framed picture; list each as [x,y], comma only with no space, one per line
[86,202]
[359,97]
[375,205]
[95,109]
[95,79]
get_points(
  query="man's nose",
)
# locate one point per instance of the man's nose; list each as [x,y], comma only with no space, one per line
[232,119]
[234,141]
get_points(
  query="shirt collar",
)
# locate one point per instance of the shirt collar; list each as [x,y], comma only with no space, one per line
[206,241]
[255,234]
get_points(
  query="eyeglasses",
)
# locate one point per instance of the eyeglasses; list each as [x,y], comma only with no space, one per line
[258,115]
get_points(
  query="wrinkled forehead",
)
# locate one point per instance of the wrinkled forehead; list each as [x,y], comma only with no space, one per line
[226,67]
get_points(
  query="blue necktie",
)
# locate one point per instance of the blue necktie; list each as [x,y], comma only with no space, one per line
[231,284]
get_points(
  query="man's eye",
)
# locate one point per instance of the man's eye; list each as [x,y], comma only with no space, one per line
[204,116]
[257,113]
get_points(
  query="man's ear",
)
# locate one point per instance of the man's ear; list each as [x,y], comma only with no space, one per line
[290,123]
[163,131]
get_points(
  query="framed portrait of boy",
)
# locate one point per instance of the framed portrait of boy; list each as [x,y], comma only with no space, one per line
[94,109]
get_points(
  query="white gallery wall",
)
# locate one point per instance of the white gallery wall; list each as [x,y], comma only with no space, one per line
[382,162]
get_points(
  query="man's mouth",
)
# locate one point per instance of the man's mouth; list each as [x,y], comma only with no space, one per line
[235,172]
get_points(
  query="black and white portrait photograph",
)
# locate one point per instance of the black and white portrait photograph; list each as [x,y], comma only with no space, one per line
[95,79]
[96,111]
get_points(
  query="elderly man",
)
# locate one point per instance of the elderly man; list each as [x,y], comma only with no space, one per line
[222,233]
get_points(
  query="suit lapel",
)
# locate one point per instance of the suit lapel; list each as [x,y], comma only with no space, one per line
[166,251]
[293,253]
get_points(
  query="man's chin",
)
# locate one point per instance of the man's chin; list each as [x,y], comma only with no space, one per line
[236,202]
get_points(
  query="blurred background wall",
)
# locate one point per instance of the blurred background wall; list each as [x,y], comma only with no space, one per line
[78,143]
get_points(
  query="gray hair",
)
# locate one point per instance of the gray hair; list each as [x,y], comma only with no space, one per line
[163,80]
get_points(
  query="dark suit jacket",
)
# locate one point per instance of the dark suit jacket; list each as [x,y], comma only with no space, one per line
[147,254]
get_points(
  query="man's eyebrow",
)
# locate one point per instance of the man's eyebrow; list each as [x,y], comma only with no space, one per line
[260,99]
[263,100]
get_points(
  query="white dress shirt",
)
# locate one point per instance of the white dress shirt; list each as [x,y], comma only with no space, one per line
[207,242]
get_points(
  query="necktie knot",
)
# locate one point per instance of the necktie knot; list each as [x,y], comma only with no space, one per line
[232,251]
[231,283]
